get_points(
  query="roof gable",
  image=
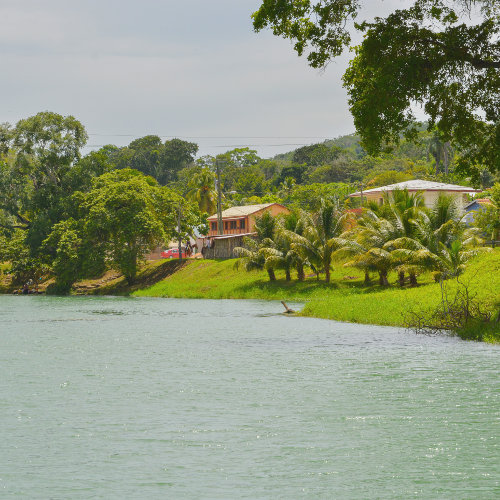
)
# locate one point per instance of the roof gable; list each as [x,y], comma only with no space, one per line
[419,185]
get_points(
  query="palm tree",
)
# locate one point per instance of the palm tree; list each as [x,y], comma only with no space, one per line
[350,246]
[202,191]
[317,243]
[294,223]
[372,234]
[441,151]
[253,256]
[256,253]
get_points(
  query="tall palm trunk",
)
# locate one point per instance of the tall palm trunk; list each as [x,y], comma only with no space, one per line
[300,272]
[383,278]
[367,278]
[401,278]
[413,279]
[287,274]
[272,276]
[327,274]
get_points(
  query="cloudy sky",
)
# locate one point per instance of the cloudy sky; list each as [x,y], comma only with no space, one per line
[192,69]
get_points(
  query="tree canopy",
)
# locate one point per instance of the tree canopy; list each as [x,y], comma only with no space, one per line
[441,55]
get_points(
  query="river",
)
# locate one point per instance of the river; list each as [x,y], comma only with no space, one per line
[165,398]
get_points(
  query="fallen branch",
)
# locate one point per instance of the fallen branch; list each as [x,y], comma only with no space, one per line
[288,310]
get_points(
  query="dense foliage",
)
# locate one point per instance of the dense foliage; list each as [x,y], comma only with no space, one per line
[440,55]
[76,216]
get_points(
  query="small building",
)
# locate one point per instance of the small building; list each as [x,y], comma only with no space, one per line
[473,207]
[222,246]
[241,220]
[429,189]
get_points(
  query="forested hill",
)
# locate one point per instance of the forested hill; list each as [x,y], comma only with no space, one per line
[350,144]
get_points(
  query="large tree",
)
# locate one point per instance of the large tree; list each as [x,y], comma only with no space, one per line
[149,155]
[36,160]
[443,55]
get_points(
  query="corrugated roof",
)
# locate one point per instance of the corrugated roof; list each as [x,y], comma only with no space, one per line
[480,201]
[242,211]
[226,236]
[419,185]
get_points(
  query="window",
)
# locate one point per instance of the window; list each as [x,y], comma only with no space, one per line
[225,225]
[232,224]
[214,226]
[242,223]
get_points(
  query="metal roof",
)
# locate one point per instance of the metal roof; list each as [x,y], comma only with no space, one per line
[243,211]
[226,236]
[419,185]
[479,201]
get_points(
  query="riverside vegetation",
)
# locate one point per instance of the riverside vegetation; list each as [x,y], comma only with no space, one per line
[64,218]
[345,298]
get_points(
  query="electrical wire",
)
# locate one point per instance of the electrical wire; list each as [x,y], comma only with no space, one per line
[218,136]
[227,145]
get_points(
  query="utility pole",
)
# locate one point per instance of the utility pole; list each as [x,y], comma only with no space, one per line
[179,231]
[220,227]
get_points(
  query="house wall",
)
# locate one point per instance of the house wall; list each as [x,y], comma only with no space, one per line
[249,221]
[274,209]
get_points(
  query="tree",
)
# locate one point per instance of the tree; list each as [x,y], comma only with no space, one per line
[253,256]
[202,191]
[132,214]
[442,152]
[429,54]
[175,155]
[315,154]
[318,241]
[34,168]
[149,155]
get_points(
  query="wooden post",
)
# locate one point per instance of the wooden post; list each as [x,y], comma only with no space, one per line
[179,231]
[220,227]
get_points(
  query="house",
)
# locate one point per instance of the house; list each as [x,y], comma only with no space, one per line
[238,223]
[429,189]
[473,207]
[241,220]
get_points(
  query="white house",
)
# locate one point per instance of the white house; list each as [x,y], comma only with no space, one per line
[429,189]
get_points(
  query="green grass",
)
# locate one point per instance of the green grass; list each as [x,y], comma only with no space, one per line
[345,299]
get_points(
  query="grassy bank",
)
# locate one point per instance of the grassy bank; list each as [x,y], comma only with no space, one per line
[345,299]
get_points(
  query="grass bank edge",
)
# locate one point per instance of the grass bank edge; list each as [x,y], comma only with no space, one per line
[345,299]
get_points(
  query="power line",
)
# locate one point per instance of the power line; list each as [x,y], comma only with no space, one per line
[219,136]
[227,145]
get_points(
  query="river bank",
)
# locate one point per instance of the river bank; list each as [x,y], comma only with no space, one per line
[346,298]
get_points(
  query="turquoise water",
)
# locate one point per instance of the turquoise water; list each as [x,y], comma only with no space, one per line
[162,398]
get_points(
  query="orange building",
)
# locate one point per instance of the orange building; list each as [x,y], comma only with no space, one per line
[241,220]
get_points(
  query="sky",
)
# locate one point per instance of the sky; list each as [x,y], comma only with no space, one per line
[192,69]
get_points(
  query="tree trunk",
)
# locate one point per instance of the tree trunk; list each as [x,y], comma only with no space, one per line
[327,274]
[401,278]
[446,156]
[272,276]
[413,279]
[367,278]
[287,274]
[383,278]
[300,272]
